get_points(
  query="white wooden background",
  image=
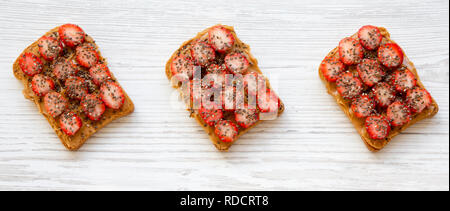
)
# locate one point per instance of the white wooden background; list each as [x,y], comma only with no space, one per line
[312,146]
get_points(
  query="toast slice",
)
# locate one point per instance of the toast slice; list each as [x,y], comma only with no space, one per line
[238,46]
[88,127]
[359,123]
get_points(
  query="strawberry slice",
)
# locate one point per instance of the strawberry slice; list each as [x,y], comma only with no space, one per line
[30,64]
[55,103]
[390,55]
[182,65]
[377,127]
[99,73]
[370,37]
[370,71]
[246,117]
[216,69]
[348,86]
[221,38]
[76,87]
[232,99]
[398,114]
[70,123]
[403,80]
[112,95]
[363,106]
[64,68]
[418,99]
[42,84]
[350,51]
[86,56]
[383,94]
[92,106]
[236,63]
[268,102]
[226,130]
[251,83]
[71,34]
[211,116]
[211,80]
[203,53]
[49,48]
[210,98]
[255,83]
[331,68]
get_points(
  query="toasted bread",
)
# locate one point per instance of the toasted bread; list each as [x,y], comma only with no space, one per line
[372,144]
[238,46]
[89,127]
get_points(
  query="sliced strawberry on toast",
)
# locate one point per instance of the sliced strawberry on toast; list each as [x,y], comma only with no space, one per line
[64,68]
[211,80]
[363,106]
[226,130]
[76,87]
[377,127]
[203,53]
[251,81]
[42,84]
[384,94]
[350,51]
[370,37]
[211,116]
[403,80]
[370,72]
[390,55]
[71,35]
[93,106]
[268,102]
[246,117]
[216,69]
[236,63]
[30,64]
[348,85]
[398,114]
[221,38]
[49,47]
[418,99]
[229,98]
[182,66]
[99,73]
[70,123]
[86,56]
[112,95]
[331,68]
[55,103]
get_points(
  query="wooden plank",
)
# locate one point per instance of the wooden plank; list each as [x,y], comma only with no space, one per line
[312,146]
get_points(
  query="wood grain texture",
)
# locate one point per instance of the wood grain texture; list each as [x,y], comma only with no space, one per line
[312,146]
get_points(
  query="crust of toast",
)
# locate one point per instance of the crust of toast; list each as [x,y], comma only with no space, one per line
[222,146]
[372,144]
[89,127]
